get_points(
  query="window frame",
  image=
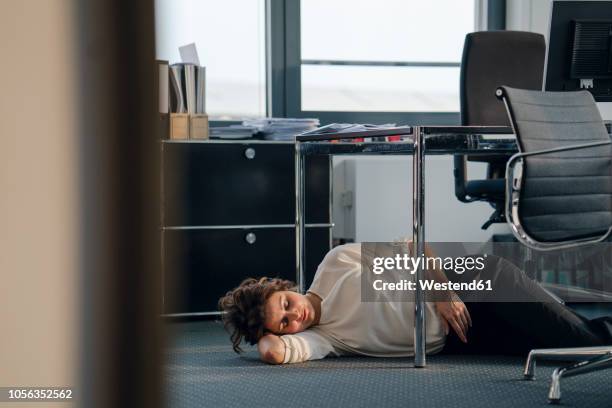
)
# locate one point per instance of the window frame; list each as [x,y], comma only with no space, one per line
[283,68]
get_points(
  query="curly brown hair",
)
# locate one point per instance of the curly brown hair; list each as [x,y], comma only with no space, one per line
[244,308]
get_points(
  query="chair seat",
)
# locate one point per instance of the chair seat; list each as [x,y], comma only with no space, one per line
[490,188]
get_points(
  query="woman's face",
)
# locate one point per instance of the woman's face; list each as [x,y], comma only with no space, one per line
[288,312]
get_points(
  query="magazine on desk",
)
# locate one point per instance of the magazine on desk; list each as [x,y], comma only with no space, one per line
[346,127]
[357,133]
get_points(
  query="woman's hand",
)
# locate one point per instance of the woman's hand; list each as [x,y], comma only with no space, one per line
[454,313]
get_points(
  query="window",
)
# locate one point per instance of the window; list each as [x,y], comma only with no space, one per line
[387,56]
[230,39]
[339,61]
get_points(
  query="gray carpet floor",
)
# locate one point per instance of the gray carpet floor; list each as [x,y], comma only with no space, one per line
[203,371]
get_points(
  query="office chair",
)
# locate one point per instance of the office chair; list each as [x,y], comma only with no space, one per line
[491,59]
[559,192]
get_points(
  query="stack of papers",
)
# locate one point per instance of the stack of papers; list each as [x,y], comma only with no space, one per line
[282,128]
[232,132]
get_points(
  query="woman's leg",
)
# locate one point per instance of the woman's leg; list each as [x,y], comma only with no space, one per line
[535,320]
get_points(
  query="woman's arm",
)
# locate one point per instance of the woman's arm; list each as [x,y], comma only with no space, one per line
[434,273]
[452,310]
[271,349]
[295,348]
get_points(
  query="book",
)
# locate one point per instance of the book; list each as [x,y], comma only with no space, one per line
[192,85]
[189,87]
[200,89]
[162,84]
[177,98]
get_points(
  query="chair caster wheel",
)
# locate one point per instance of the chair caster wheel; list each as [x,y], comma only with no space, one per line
[554,401]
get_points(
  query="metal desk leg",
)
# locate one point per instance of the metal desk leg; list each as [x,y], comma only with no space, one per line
[418,241]
[299,217]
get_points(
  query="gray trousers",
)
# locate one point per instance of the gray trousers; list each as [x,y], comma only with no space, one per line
[514,328]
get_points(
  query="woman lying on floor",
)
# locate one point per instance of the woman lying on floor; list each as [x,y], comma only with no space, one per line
[331,320]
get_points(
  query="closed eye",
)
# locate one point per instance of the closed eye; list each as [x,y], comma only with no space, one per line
[283,323]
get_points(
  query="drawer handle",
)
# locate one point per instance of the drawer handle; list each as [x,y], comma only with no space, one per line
[249,153]
[250,238]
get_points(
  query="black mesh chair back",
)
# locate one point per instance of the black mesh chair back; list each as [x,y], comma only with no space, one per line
[566,182]
[492,59]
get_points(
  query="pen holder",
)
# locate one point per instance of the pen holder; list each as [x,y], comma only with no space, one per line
[198,126]
[179,126]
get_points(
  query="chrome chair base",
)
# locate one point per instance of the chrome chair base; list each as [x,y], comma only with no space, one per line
[588,359]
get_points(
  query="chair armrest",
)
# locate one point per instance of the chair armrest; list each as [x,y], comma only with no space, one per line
[558,149]
[513,190]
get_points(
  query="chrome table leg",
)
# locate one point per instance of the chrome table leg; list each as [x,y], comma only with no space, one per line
[299,217]
[418,241]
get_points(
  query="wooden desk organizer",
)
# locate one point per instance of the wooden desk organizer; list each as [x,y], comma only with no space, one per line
[179,126]
[198,126]
[184,126]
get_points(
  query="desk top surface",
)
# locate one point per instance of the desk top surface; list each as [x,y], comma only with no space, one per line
[403,131]
[439,140]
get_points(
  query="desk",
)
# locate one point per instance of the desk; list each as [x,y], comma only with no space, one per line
[417,141]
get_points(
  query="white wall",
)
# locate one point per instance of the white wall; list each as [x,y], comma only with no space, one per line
[381,207]
[528,15]
[38,195]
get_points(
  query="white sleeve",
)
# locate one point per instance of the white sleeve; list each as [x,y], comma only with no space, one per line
[307,345]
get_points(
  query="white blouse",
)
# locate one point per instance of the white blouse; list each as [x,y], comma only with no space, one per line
[350,326]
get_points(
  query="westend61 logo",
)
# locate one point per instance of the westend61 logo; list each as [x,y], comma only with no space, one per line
[404,263]
[480,271]
[410,264]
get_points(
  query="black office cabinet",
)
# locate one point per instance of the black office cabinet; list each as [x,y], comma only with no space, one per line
[228,213]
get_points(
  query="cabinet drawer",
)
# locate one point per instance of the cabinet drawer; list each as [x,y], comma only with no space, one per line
[202,265]
[239,184]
